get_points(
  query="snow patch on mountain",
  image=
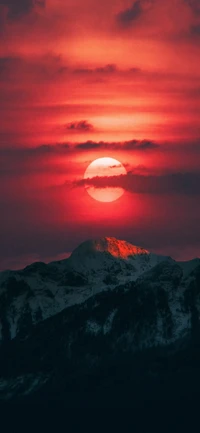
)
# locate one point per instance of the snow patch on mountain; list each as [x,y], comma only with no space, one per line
[109,321]
[93,327]
[21,385]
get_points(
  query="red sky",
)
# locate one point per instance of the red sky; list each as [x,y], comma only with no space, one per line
[82,79]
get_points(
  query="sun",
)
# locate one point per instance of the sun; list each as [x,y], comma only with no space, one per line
[104,167]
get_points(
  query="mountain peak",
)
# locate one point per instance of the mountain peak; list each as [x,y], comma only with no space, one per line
[117,248]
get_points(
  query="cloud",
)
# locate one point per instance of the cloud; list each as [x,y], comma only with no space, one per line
[126,17]
[107,69]
[195,5]
[18,8]
[50,66]
[176,183]
[88,145]
[140,145]
[134,145]
[6,63]
[23,160]
[195,30]
[47,66]
[129,15]
[81,126]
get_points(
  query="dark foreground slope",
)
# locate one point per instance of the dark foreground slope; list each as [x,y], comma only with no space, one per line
[121,348]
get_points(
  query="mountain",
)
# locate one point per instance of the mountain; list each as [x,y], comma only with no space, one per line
[111,318]
[41,290]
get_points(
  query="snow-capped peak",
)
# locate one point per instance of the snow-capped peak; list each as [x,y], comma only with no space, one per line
[110,257]
[117,248]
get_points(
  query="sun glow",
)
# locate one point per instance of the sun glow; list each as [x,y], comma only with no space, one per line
[104,167]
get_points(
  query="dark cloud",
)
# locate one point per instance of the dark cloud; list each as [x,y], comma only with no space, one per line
[48,148]
[125,145]
[176,183]
[195,30]
[89,145]
[8,65]
[18,161]
[18,8]
[44,67]
[127,16]
[195,5]
[51,67]
[107,69]
[135,70]
[140,145]
[81,126]
[134,145]
[5,62]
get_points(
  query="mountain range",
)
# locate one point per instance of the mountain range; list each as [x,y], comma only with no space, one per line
[113,318]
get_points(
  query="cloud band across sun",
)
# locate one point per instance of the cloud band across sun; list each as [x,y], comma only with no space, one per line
[175,183]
